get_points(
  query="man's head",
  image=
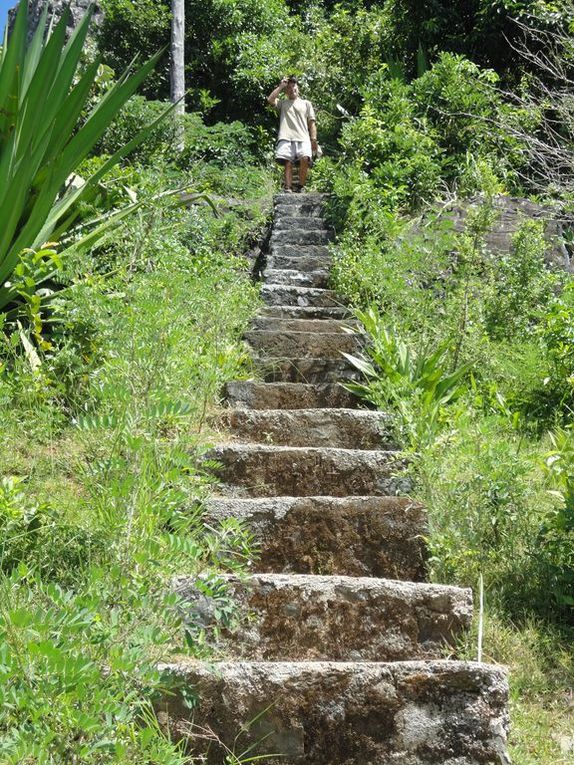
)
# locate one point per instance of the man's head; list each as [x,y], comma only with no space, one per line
[292,87]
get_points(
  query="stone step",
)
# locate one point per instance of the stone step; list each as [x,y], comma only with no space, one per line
[352,536]
[286,201]
[257,395]
[340,428]
[305,312]
[307,222]
[294,200]
[258,470]
[305,369]
[303,263]
[302,617]
[323,345]
[271,324]
[307,208]
[281,294]
[295,235]
[296,278]
[300,251]
[329,713]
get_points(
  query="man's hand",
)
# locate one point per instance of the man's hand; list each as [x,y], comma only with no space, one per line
[272,97]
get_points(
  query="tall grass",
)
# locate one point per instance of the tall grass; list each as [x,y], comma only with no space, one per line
[490,330]
[104,474]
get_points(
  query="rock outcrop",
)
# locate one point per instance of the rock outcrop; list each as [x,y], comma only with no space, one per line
[55,8]
[510,214]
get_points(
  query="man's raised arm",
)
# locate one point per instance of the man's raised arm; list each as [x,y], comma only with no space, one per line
[273,97]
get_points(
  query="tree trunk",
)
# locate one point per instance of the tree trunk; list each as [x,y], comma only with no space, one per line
[178,68]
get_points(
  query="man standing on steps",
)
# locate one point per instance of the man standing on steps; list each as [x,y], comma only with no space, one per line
[297,140]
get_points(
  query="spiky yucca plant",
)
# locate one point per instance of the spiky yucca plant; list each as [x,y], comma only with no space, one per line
[42,97]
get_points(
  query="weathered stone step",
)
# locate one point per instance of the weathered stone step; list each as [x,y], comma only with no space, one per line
[307,222]
[323,345]
[300,251]
[340,428]
[305,312]
[263,471]
[295,200]
[297,278]
[329,713]
[272,324]
[352,536]
[281,294]
[256,395]
[305,369]
[309,207]
[302,617]
[296,235]
[299,262]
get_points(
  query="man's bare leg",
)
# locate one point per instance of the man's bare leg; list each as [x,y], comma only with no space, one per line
[303,170]
[288,182]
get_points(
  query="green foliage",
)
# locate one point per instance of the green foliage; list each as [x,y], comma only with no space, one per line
[237,48]
[133,117]
[415,383]
[484,30]
[486,501]
[557,335]
[529,287]
[401,160]
[103,459]
[78,670]
[469,116]
[234,49]
[411,139]
[35,536]
[37,84]
[130,29]
[226,143]
[454,305]
[347,45]
[557,529]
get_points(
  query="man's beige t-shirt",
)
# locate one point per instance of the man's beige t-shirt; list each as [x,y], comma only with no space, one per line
[293,118]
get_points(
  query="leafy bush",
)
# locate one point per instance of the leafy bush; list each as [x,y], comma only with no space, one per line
[134,116]
[402,161]
[486,500]
[469,116]
[523,286]
[225,143]
[234,49]
[448,128]
[483,30]
[78,671]
[557,530]
[36,537]
[131,29]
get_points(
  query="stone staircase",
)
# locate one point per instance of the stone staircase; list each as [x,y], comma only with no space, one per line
[343,658]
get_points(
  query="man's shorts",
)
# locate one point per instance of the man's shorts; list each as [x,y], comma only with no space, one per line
[293,151]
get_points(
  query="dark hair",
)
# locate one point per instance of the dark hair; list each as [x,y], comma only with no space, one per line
[292,78]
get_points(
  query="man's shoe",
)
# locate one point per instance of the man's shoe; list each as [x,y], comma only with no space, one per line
[287,191]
